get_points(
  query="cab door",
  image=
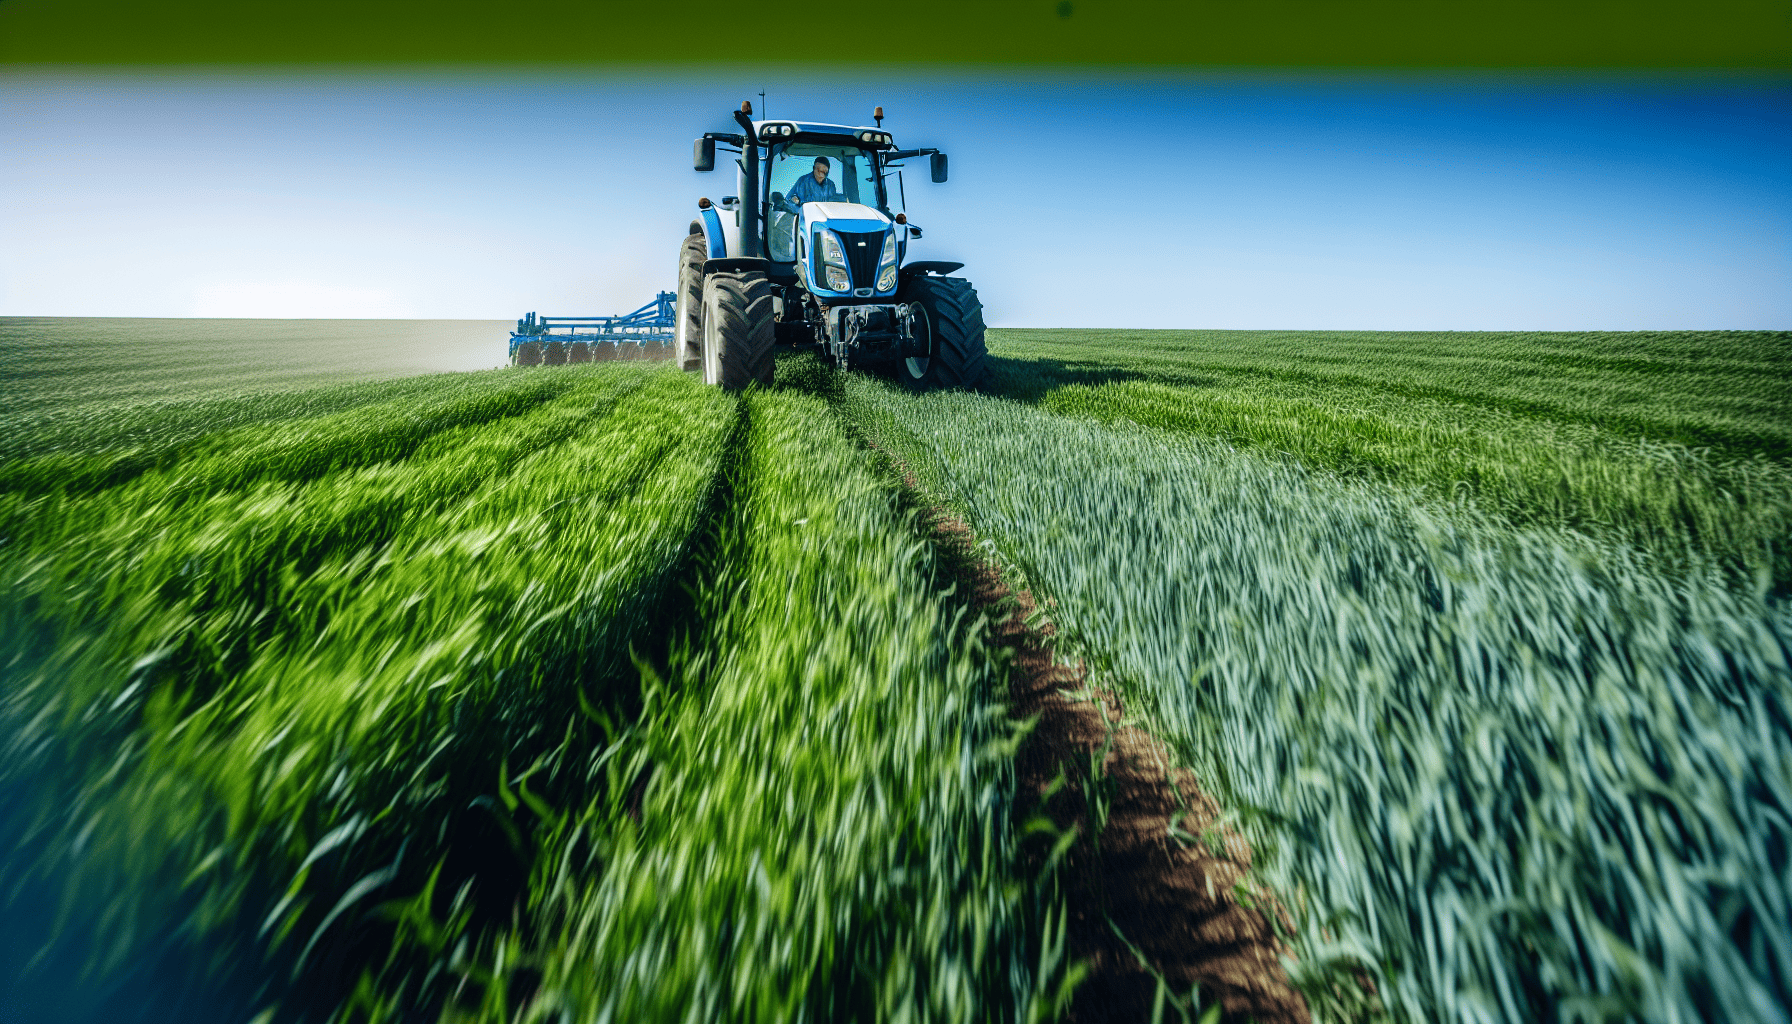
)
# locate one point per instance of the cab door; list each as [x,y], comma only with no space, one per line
[780,224]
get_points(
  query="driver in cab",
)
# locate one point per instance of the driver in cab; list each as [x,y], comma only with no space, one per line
[813,188]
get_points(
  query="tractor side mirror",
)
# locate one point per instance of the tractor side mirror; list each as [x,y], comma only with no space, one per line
[703,155]
[939,168]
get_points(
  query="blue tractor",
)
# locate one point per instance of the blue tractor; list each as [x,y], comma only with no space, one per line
[811,252]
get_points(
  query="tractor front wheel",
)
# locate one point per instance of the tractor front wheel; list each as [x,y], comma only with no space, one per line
[948,322]
[737,329]
[687,341]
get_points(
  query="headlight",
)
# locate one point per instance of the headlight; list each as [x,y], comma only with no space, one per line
[833,259]
[889,255]
[887,279]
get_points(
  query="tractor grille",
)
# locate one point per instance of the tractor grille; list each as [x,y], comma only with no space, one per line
[862,258]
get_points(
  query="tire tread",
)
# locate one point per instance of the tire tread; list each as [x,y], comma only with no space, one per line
[743,307]
[959,349]
[691,255]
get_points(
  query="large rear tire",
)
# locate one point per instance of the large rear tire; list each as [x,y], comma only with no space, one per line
[687,343]
[737,329]
[949,323]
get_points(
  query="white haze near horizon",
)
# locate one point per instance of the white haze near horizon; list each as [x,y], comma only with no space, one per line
[1245,201]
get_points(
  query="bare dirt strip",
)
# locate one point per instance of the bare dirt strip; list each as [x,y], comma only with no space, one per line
[1134,890]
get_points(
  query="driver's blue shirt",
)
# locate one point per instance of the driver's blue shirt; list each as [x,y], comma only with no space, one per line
[807,191]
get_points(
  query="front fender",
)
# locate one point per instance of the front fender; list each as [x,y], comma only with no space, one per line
[710,223]
[922,267]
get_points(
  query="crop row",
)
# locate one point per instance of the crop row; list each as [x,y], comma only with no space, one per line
[586,695]
[822,830]
[99,427]
[1686,507]
[1515,773]
[62,367]
[282,699]
[1727,390]
[297,437]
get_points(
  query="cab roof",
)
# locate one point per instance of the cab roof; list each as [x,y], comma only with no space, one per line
[817,131]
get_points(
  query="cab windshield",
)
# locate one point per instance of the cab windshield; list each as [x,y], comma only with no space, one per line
[851,172]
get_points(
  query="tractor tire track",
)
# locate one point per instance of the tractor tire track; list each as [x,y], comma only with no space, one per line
[1131,889]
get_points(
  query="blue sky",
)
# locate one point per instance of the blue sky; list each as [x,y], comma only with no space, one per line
[1384,202]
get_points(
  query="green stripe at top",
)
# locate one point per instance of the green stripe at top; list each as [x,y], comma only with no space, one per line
[551,34]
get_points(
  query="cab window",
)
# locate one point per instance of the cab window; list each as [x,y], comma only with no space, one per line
[850,170]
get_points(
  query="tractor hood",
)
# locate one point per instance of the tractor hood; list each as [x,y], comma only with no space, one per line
[846,216]
[863,232]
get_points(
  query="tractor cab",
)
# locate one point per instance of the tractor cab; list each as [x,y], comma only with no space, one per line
[861,167]
[846,171]
[829,226]
[818,217]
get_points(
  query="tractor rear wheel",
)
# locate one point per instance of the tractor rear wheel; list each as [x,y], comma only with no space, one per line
[528,354]
[737,329]
[948,322]
[687,341]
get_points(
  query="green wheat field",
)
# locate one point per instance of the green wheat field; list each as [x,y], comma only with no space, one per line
[330,690]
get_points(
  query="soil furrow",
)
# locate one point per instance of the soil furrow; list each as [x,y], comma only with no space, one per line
[1132,887]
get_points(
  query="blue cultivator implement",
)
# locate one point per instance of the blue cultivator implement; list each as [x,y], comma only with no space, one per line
[646,333]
